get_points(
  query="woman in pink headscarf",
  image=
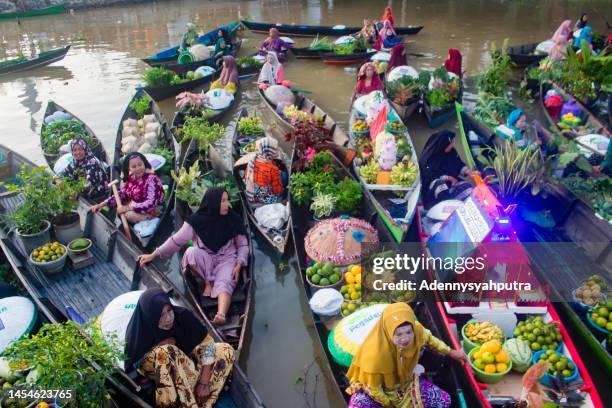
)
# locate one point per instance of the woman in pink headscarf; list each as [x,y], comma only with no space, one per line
[275,44]
[453,62]
[228,79]
[561,37]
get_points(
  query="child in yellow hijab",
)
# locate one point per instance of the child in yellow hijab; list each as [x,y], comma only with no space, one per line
[381,374]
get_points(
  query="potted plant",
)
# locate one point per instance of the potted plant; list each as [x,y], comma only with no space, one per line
[62,357]
[31,218]
[404,94]
[63,202]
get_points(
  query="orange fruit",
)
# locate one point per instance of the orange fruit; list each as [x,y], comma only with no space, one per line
[490,368]
[349,278]
[501,367]
[493,346]
[502,357]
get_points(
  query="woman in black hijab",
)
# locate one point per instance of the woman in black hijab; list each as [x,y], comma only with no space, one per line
[220,248]
[441,167]
[169,344]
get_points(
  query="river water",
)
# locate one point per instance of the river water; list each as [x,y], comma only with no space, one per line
[97,78]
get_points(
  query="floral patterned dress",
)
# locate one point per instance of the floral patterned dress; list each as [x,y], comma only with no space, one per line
[176,374]
[90,167]
[147,193]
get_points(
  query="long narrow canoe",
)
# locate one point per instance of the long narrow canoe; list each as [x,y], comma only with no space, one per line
[239,313]
[331,58]
[60,8]
[312,31]
[525,54]
[42,59]
[164,92]
[588,126]
[305,52]
[560,260]
[396,205]
[507,392]
[280,126]
[96,148]
[170,55]
[441,370]
[87,291]
[165,141]
[181,69]
[276,238]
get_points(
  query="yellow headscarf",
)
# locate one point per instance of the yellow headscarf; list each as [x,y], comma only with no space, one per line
[379,362]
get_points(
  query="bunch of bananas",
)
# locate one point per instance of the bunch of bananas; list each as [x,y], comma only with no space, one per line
[481,332]
[404,173]
[360,126]
[369,171]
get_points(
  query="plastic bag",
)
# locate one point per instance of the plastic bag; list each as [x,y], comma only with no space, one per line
[272,216]
[326,302]
[146,228]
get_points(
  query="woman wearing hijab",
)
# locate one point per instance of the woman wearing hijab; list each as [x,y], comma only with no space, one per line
[271,72]
[220,248]
[517,122]
[581,22]
[367,80]
[388,16]
[564,30]
[142,191]
[367,32]
[398,57]
[387,38]
[558,52]
[441,170]
[263,176]
[228,79]
[85,163]
[382,371]
[274,43]
[169,345]
[453,62]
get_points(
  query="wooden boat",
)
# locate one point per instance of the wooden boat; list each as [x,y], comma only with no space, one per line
[523,304]
[97,148]
[384,197]
[589,120]
[441,371]
[87,294]
[164,141]
[179,120]
[170,55]
[41,59]
[181,69]
[164,92]
[525,54]
[282,126]
[331,58]
[239,313]
[305,52]
[565,255]
[277,239]
[312,31]
[46,11]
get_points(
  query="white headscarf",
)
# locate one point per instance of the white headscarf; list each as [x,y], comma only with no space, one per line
[269,72]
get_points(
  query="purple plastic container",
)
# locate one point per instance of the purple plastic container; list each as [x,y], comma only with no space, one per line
[571,107]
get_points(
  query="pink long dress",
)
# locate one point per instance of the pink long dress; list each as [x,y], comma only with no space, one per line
[213,267]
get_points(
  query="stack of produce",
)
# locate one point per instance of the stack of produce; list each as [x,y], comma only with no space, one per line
[323,274]
[601,316]
[481,332]
[491,358]
[539,335]
[139,135]
[559,364]
[593,290]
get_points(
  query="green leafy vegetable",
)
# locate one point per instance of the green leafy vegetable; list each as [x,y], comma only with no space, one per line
[141,105]
[60,132]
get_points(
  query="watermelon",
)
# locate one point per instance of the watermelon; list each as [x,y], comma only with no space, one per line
[519,353]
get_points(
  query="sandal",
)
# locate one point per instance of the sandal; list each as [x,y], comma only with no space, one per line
[219,319]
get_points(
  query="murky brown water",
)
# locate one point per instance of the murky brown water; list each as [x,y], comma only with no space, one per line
[97,79]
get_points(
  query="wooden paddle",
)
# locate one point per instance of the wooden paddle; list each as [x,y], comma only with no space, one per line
[126,227]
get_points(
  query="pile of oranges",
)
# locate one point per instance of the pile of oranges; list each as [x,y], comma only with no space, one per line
[353,274]
[491,358]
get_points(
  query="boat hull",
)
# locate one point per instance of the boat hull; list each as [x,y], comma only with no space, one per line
[312,31]
[43,59]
